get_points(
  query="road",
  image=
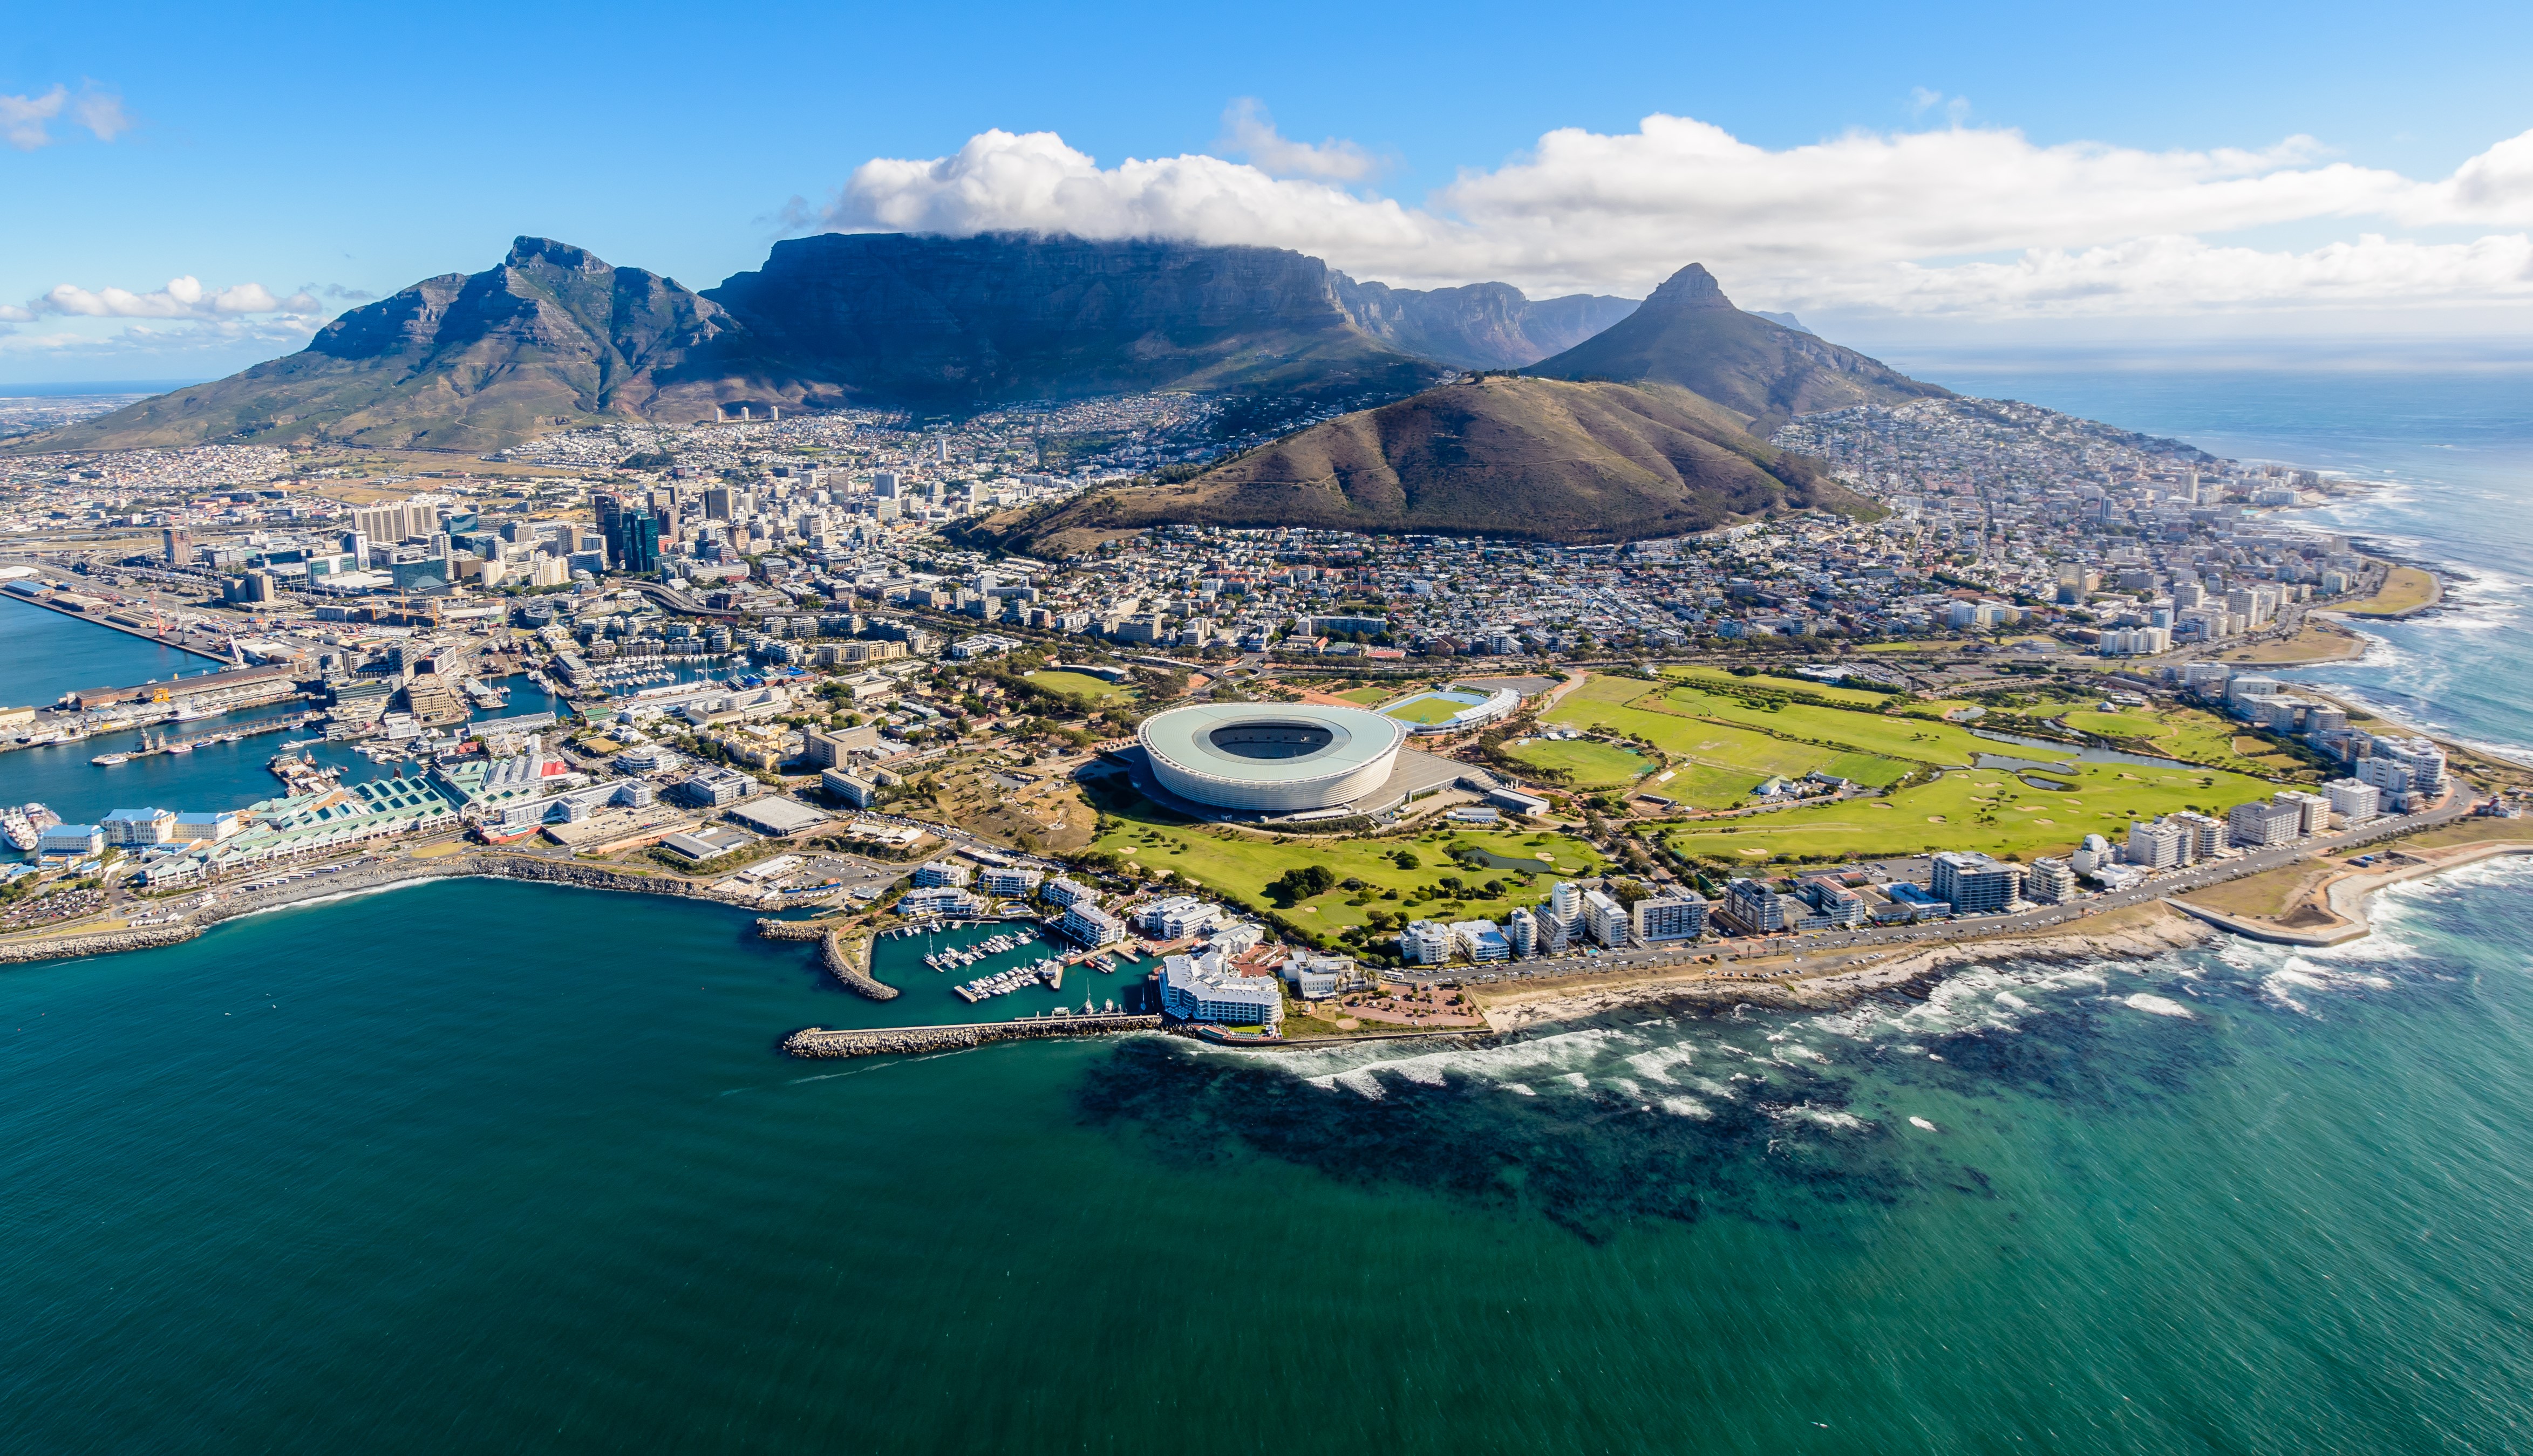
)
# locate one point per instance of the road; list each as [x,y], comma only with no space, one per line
[2167,883]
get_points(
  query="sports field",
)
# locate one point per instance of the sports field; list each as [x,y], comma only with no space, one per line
[1081,685]
[1364,697]
[1432,707]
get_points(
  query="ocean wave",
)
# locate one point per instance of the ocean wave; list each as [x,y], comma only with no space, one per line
[2159,1006]
[1685,1107]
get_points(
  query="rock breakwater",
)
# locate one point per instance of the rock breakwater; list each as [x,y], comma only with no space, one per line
[846,961]
[819,1041]
[99,943]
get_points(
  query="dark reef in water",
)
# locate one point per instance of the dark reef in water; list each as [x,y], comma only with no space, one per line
[1588,1163]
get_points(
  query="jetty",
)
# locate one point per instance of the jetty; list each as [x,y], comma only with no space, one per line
[850,964]
[880,1041]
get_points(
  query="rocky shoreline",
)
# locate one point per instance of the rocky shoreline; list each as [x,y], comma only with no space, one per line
[2152,934]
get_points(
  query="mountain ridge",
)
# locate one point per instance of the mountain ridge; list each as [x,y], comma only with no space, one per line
[1688,333]
[1574,462]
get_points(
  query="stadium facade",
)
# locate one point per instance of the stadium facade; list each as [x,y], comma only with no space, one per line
[1275,758]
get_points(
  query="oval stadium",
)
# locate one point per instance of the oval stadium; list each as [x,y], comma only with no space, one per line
[1277,758]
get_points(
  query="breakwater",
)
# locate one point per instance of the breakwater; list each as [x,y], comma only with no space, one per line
[819,1041]
[848,964]
[773,929]
[147,937]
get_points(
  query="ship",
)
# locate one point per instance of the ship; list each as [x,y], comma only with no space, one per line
[25,825]
[109,760]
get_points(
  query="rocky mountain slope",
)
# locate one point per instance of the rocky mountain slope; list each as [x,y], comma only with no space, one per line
[1540,460]
[1689,335]
[551,335]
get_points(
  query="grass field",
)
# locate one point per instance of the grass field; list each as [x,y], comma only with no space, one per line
[1587,765]
[2405,589]
[2314,642]
[1890,736]
[1081,685]
[1243,865]
[1364,697]
[1427,708]
[1981,810]
[2118,725]
[1831,691]
[1719,764]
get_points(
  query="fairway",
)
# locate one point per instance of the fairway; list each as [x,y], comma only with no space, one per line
[1979,809]
[1830,691]
[1721,763]
[1587,764]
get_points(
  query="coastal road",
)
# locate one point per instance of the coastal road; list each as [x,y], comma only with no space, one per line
[1980,927]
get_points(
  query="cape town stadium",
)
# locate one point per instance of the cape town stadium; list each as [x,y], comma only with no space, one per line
[1277,758]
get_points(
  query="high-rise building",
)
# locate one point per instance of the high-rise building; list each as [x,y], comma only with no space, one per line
[1670,917]
[1974,884]
[2050,881]
[2353,801]
[2263,823]
[1754,908]
[2313,811]
[177,543]
[2156,845]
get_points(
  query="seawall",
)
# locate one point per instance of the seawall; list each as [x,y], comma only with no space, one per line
[849,962]
[819,1041]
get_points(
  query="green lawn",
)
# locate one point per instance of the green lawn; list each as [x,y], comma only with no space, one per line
[1979,809]
[1890,736]
[1426,709]
[1368,697]
[1720,763]
[1081,685]
[1243,865]
[1587,763]
[1829,690]
[2117,725]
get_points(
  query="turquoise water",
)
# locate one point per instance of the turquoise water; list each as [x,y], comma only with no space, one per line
[542,1182]
[502,1167]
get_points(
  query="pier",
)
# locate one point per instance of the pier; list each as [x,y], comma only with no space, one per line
[879,1041]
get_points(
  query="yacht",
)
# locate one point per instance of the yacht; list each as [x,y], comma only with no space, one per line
[109,760]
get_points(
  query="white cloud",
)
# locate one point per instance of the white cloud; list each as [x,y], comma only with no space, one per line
[1958,219]
[27,122]
[182,298]
[1250,132]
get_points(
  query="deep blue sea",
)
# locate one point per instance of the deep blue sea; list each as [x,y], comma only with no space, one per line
[485,1166]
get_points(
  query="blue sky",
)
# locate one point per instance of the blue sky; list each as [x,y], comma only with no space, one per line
[303,150]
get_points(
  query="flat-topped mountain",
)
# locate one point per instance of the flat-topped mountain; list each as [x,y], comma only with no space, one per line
[954,321]
[551,335]
[1539,459]
[1689,335]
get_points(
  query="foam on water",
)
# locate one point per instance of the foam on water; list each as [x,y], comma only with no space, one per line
[2159,1006]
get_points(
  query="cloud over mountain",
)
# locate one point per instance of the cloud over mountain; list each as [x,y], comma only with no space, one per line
[1956,219]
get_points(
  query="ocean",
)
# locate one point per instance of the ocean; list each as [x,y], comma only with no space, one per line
[470,1166]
